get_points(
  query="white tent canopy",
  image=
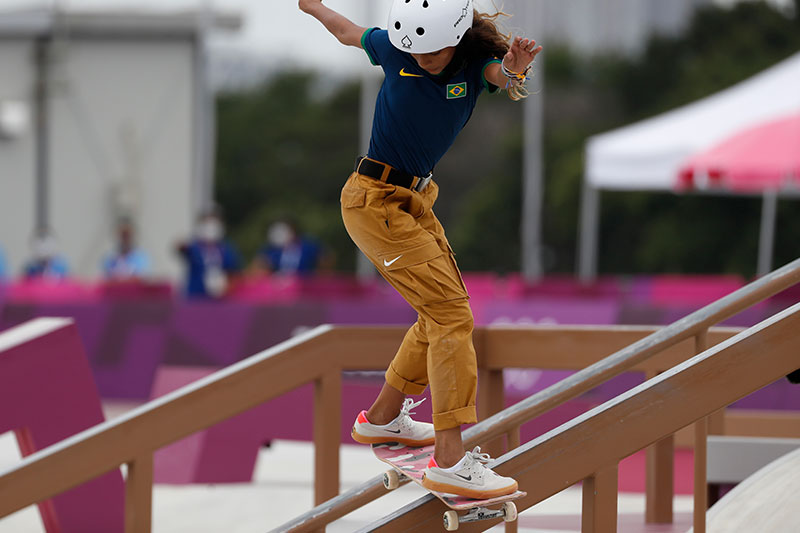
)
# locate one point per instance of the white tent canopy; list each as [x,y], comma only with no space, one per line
[649,154]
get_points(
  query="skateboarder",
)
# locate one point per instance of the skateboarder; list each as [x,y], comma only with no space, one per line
[437,57]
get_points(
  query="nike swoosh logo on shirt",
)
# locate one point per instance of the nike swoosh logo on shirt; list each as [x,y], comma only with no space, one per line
[409,75]
[390,263]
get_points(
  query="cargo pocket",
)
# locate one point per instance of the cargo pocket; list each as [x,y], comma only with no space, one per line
[422,274]
[353,197]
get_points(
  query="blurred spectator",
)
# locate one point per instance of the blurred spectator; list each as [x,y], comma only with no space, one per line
[3,271]
[210,259]
[288,252]
[127,262]
[45,262]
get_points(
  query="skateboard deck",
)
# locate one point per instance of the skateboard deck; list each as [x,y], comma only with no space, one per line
[410,462]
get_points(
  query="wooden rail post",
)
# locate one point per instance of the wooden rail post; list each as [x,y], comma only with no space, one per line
[600,501]
[660,479]
[700,455]
[139,495]
[491,400]
[660,483]
[327,423]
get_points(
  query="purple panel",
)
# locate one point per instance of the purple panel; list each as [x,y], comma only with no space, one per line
[124,317]
[549,311]
[780,395]
[214,328]
[370,312]
[133,377]
[747,318]
[270,325]
[693,290]
[641,315]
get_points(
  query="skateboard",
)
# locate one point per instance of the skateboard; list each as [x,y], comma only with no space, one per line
[410,462]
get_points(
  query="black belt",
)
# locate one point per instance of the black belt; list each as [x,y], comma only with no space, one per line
[392,176]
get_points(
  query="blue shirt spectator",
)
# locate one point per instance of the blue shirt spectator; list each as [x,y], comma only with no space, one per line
[134,264]
[46,263]
[128,262]
[210,260]
[287,252]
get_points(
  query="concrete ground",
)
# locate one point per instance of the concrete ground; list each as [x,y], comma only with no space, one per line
[283,489]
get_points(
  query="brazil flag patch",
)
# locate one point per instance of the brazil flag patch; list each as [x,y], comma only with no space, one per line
[456,90]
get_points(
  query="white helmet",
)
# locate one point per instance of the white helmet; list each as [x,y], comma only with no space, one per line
[425,26]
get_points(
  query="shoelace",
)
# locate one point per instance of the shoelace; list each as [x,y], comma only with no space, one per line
[475,456]
[408,405]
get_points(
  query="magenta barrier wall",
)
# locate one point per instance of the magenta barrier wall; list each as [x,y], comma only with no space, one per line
[129,331]
[46,395]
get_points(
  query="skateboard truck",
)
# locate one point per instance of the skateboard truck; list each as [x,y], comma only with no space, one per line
[452,519]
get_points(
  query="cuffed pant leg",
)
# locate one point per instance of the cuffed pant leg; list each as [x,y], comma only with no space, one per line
[452,365]
[408,371]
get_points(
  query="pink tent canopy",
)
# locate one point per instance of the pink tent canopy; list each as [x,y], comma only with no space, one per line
[762,158]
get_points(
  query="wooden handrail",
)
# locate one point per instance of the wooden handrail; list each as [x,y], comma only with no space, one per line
[626,424]
[162,421]
[627,358]
[274,372]
[633,356]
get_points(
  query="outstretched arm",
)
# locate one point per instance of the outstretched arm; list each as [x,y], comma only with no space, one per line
[519,57]
[340,27]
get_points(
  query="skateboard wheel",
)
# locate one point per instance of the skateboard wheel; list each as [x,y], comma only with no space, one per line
[450,520]
[391,480]
[509,512]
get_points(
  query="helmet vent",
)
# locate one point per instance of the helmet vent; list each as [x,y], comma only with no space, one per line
[420,31]
[425,4]
[397,25]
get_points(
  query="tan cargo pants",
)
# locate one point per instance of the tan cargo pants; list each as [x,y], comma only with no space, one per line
[396,229]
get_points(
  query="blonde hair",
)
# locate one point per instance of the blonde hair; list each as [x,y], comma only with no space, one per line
[486,39]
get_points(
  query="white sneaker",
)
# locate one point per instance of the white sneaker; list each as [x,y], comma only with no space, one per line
[403,429]
[470,478]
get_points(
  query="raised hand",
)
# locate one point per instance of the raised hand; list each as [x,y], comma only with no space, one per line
[521,54]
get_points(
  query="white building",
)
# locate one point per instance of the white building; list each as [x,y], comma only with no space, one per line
[105,115]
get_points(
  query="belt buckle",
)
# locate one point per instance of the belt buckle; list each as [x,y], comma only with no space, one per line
[423,182]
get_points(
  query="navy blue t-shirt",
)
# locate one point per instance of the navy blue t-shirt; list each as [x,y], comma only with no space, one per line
[418,115]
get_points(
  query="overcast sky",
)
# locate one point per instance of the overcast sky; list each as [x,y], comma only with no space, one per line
[272,28]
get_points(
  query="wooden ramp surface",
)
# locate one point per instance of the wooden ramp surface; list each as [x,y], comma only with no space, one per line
[769,500]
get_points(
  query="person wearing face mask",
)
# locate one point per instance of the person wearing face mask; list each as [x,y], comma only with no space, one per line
[210,260]
[45,262]
[287,252]
[127,262]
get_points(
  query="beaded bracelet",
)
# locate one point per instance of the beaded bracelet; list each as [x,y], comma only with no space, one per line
[521,77]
